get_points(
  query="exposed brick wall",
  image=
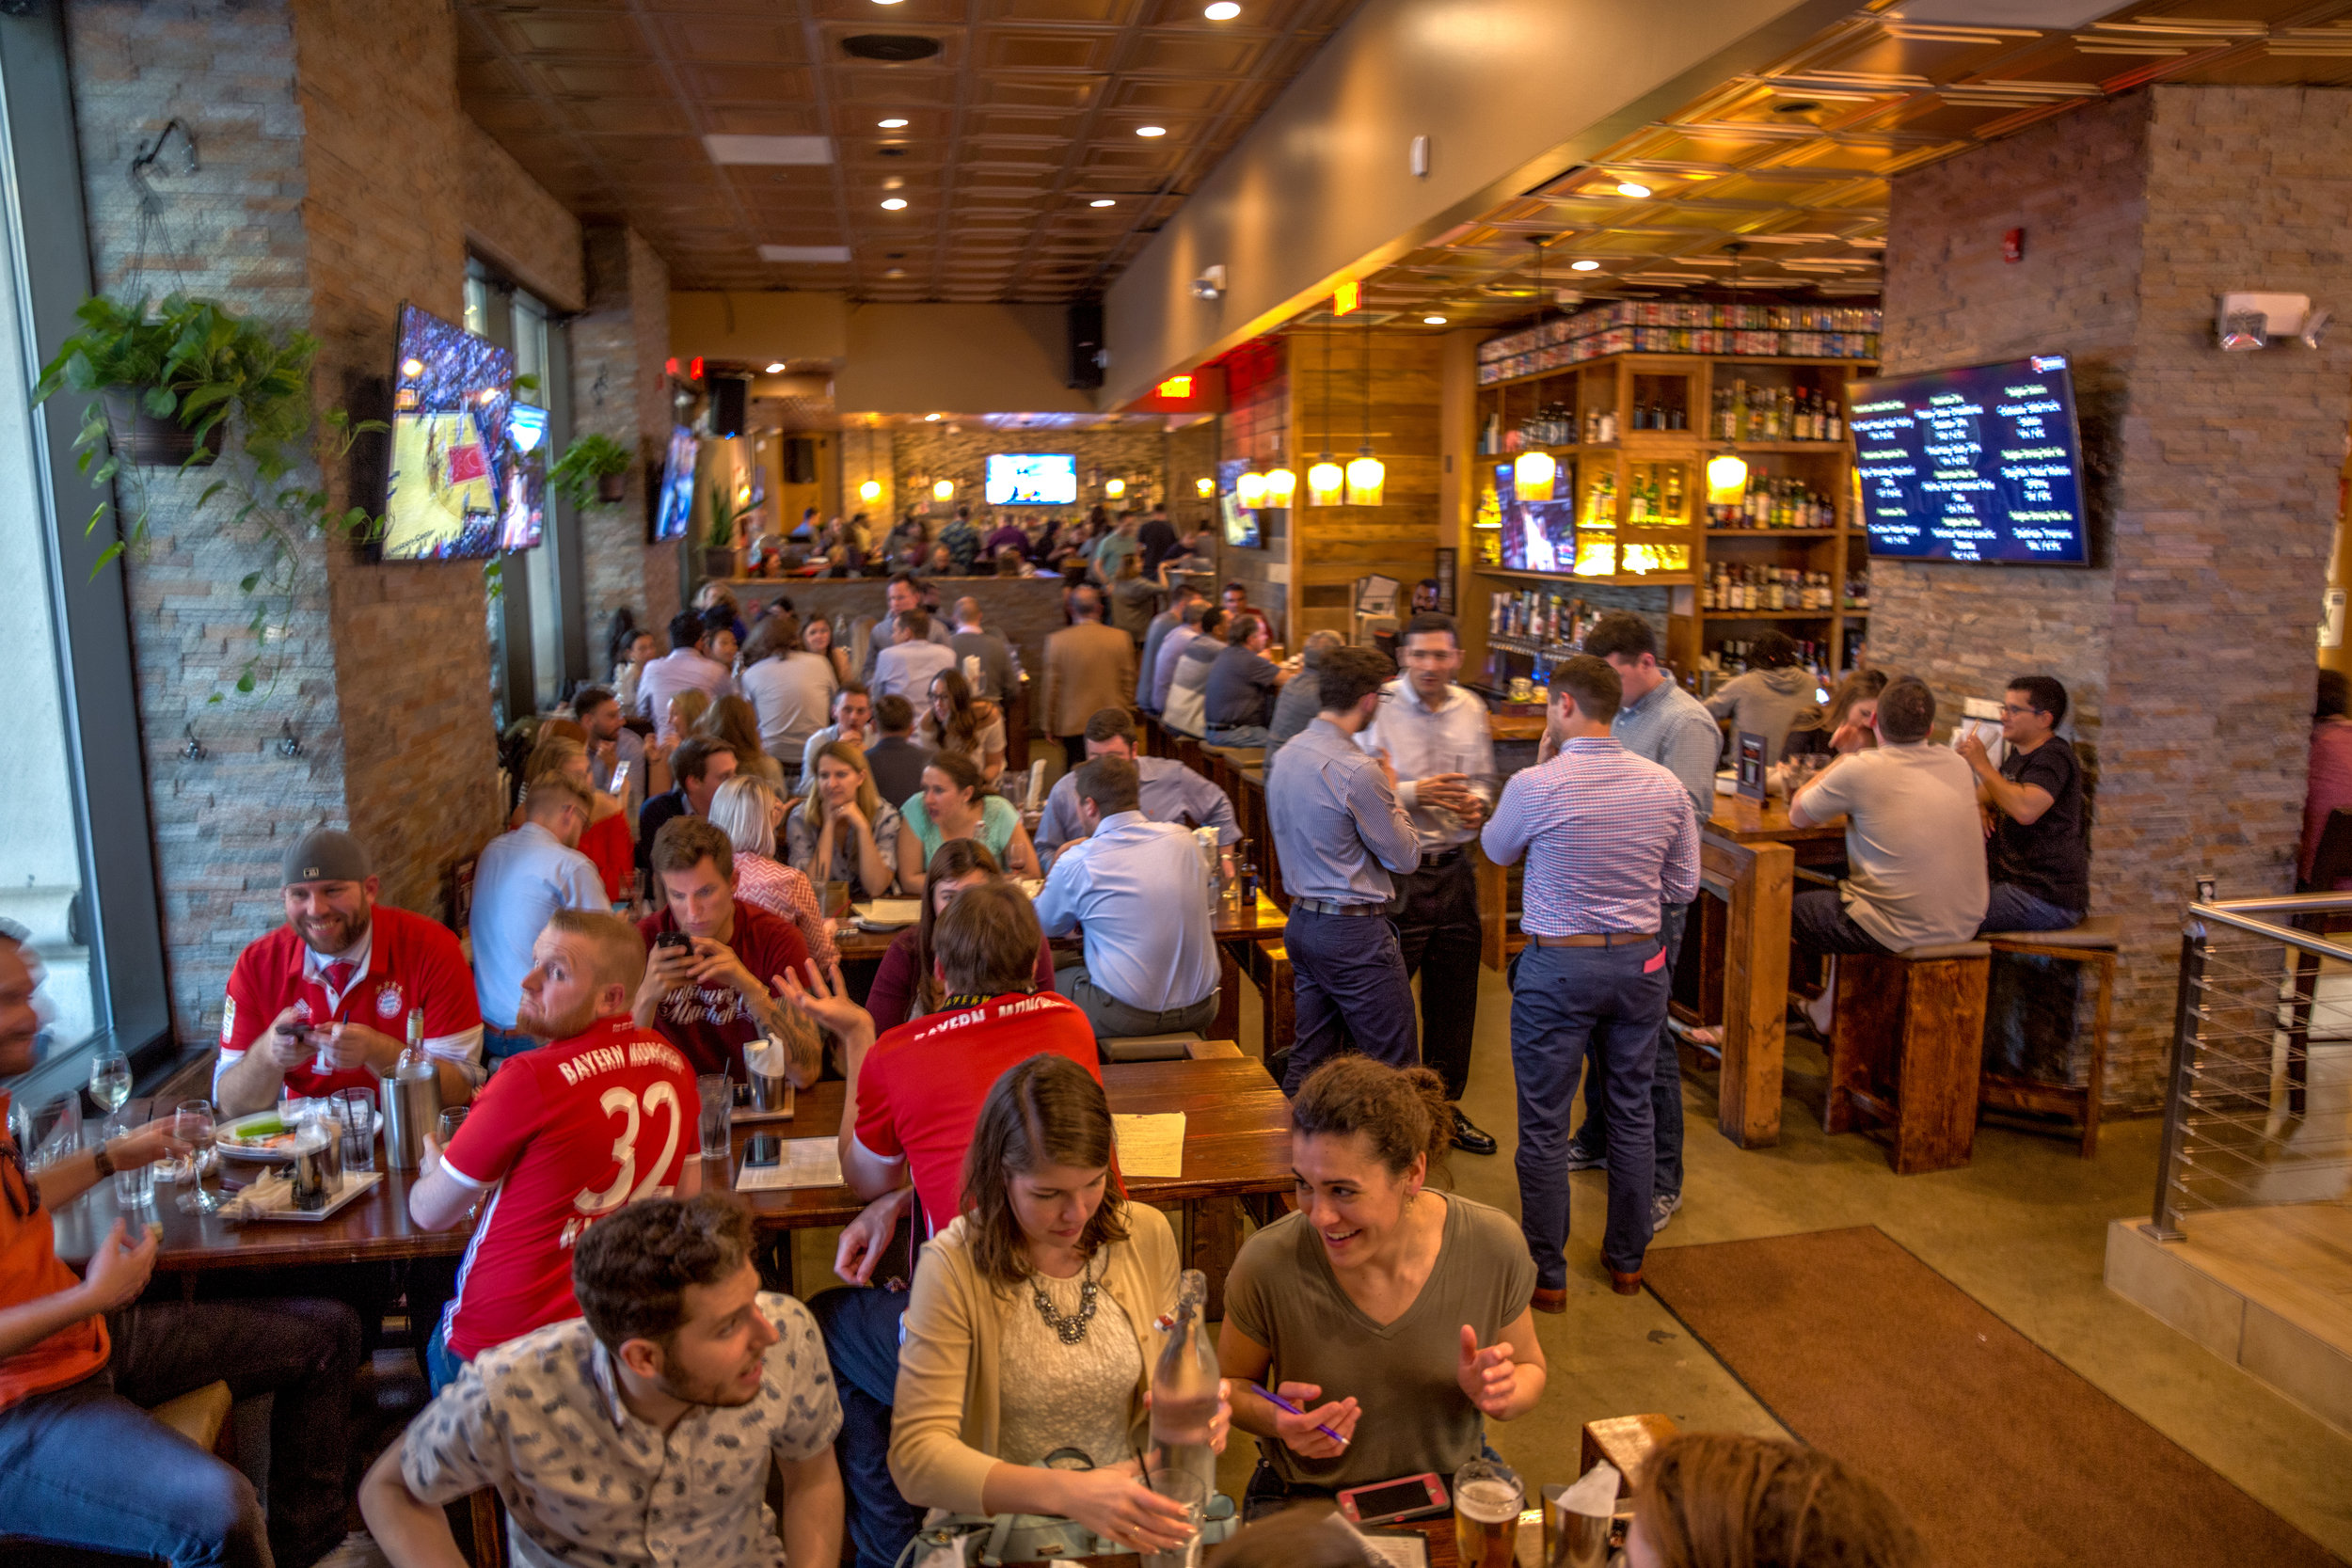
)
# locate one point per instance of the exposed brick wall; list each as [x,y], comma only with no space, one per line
[2189,644]
[618,390]
[511,219]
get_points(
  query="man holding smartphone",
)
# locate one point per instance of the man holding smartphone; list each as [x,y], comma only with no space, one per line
[703,990]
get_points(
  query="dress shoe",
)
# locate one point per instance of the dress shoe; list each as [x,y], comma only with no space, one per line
[1548,1301]
[1470,1137]
[1625,1284]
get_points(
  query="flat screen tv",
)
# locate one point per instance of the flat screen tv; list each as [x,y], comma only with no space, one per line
[1537,536]
[674,508]
[523,478]
[1240,522]
[1978,465]
[452,399]
[1038,479]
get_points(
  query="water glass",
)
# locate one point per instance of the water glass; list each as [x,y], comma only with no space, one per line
[452,1119]
[718,1114]
[110,1080]
[354,1121]
[134,1188]
[1193,1492]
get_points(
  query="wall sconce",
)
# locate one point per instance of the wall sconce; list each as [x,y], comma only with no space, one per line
[1114,488]
[1204,487]
[1326,483]
[1249,489]
[870,491]
[1533,474]
[1280,486]
[1211,283]
[943,491]
[1726,478]
[2245,322]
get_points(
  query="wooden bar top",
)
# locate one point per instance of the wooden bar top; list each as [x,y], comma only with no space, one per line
[371,1229]
[1766,821]
[1232,920]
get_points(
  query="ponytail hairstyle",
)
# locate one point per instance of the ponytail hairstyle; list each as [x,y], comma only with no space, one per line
[1402,1114]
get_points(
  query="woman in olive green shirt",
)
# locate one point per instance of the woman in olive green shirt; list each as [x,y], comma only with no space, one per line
[1393,1314]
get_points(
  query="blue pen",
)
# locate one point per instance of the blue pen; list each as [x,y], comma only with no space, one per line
[1281,1404]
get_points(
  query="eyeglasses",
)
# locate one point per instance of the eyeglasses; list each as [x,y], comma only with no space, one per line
[2012,710]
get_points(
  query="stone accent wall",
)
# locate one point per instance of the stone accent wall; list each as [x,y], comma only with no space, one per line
[511,219]
[2189,644]
[619,389]
[928,453]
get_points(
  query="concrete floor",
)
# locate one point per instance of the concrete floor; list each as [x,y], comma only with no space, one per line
[2021,1230]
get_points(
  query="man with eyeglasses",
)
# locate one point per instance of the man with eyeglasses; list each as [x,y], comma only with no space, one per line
[2035,849]
[82,1463]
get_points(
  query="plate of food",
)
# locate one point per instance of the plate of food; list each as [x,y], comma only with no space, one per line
[269,1135]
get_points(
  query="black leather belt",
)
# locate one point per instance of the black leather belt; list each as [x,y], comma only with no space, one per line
[1442,858]
[1324,906]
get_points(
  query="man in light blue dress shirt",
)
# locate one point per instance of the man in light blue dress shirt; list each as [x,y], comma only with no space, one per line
[1139,891]
[1342,835]
[1171,791]
[520,879]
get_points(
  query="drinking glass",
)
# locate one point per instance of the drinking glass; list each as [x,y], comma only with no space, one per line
[1487,1499]
[718,1114]
[174,1168]
[355,1120]
[134,1188]
[193,1121]
[110,1080]
[452,1119]
[1193,1492]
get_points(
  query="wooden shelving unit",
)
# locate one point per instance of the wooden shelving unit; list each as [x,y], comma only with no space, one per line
[1670,464]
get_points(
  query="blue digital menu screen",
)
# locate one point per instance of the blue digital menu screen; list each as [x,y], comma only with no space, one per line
[1979,465]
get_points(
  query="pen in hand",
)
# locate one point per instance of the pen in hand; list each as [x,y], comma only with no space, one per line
[1281,1404]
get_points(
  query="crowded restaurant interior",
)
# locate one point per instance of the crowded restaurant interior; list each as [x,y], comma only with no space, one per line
[1261,783]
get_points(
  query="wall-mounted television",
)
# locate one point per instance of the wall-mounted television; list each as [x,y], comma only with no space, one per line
[1537,536]
[1031,479]
[452,397]
[523,482]
[1976,465]
[673,504]
[1240,522]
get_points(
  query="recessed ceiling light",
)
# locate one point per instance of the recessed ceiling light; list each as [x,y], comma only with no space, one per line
[893,204]
[1584,266]
[1103,201]
[1632,188]
[1433,321]
[776,368]
[1151,130]
[1224,11]
[892,124]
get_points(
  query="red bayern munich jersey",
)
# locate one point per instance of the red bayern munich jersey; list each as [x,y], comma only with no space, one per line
[412,963]
[565,1134]
[920,1088]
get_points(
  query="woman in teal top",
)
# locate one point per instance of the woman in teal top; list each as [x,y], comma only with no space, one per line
[952,805]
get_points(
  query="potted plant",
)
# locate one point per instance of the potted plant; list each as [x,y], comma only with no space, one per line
[596,460]
[719,544]
[165,379]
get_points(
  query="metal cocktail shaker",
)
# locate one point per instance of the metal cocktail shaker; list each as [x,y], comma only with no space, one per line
[412,1102]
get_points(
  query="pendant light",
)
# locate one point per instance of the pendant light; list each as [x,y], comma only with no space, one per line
[1366,475]
[1533,474]
[1250,490]
[1727,471]
[1324,481]
[870,491]
[1280,486]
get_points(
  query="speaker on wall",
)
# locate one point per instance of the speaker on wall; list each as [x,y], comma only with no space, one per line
[800,460]
[730,400]
[1086,344]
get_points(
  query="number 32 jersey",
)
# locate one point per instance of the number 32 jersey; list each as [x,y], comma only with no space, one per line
[559,1137]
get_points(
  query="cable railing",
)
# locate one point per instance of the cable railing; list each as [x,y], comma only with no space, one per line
[2258,1106]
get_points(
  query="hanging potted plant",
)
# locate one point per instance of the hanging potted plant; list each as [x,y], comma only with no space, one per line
[163,379]
[592,462]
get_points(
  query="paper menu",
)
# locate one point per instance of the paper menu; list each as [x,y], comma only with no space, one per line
[802,1163]
[1151,1145]
[890,912]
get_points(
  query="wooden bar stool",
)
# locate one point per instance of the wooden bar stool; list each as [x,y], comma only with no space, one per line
[1907,1049]
[2092,944]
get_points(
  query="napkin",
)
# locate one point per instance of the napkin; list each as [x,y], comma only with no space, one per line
[804,1162]
[1594,1495]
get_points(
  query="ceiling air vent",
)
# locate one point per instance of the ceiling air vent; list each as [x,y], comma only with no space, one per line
[890,46]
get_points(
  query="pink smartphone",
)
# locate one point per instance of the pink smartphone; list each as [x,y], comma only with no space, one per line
[1386,1501]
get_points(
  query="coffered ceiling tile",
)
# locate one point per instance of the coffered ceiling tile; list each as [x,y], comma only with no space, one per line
[1027,50]
[1036,93]
[744,83]
[574,33]
[1150,96]
[734,40]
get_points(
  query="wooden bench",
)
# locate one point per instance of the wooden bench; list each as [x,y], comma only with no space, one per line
[1907,1050]
[2092,944]
[1270,968]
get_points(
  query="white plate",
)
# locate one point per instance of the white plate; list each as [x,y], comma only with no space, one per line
[225,1134]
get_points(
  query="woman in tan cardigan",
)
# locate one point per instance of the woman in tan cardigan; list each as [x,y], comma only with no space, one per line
[1049,1271]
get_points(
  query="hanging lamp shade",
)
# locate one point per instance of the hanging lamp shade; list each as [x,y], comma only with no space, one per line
[870,491]
[1726,478]
[1533,474]
[1325,484]
[1249,489]
[1365,476]
[1280,486]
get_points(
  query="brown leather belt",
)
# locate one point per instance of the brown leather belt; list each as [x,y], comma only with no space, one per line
[1598,938]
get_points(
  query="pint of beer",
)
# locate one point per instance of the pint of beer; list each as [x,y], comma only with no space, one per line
[1487,1498]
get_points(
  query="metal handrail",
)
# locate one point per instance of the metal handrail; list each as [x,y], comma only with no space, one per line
[2202,1025]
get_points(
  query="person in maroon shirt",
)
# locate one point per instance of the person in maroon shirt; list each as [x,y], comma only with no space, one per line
[705,995]
[907,984]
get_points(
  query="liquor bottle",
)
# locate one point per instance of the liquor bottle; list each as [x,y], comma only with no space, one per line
[1674,495]
[1184,1387]
[1835,421]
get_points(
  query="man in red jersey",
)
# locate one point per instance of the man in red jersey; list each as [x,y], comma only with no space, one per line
[321,1002]
[913,1099]
[565,1134]
[706,996]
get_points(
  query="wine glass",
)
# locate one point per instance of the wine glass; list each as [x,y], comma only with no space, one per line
[110,1080]
[192,1124]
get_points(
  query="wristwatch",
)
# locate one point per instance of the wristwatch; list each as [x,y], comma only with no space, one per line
[104,1162]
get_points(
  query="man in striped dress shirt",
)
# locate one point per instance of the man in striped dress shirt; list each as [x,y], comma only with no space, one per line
[1609,838]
